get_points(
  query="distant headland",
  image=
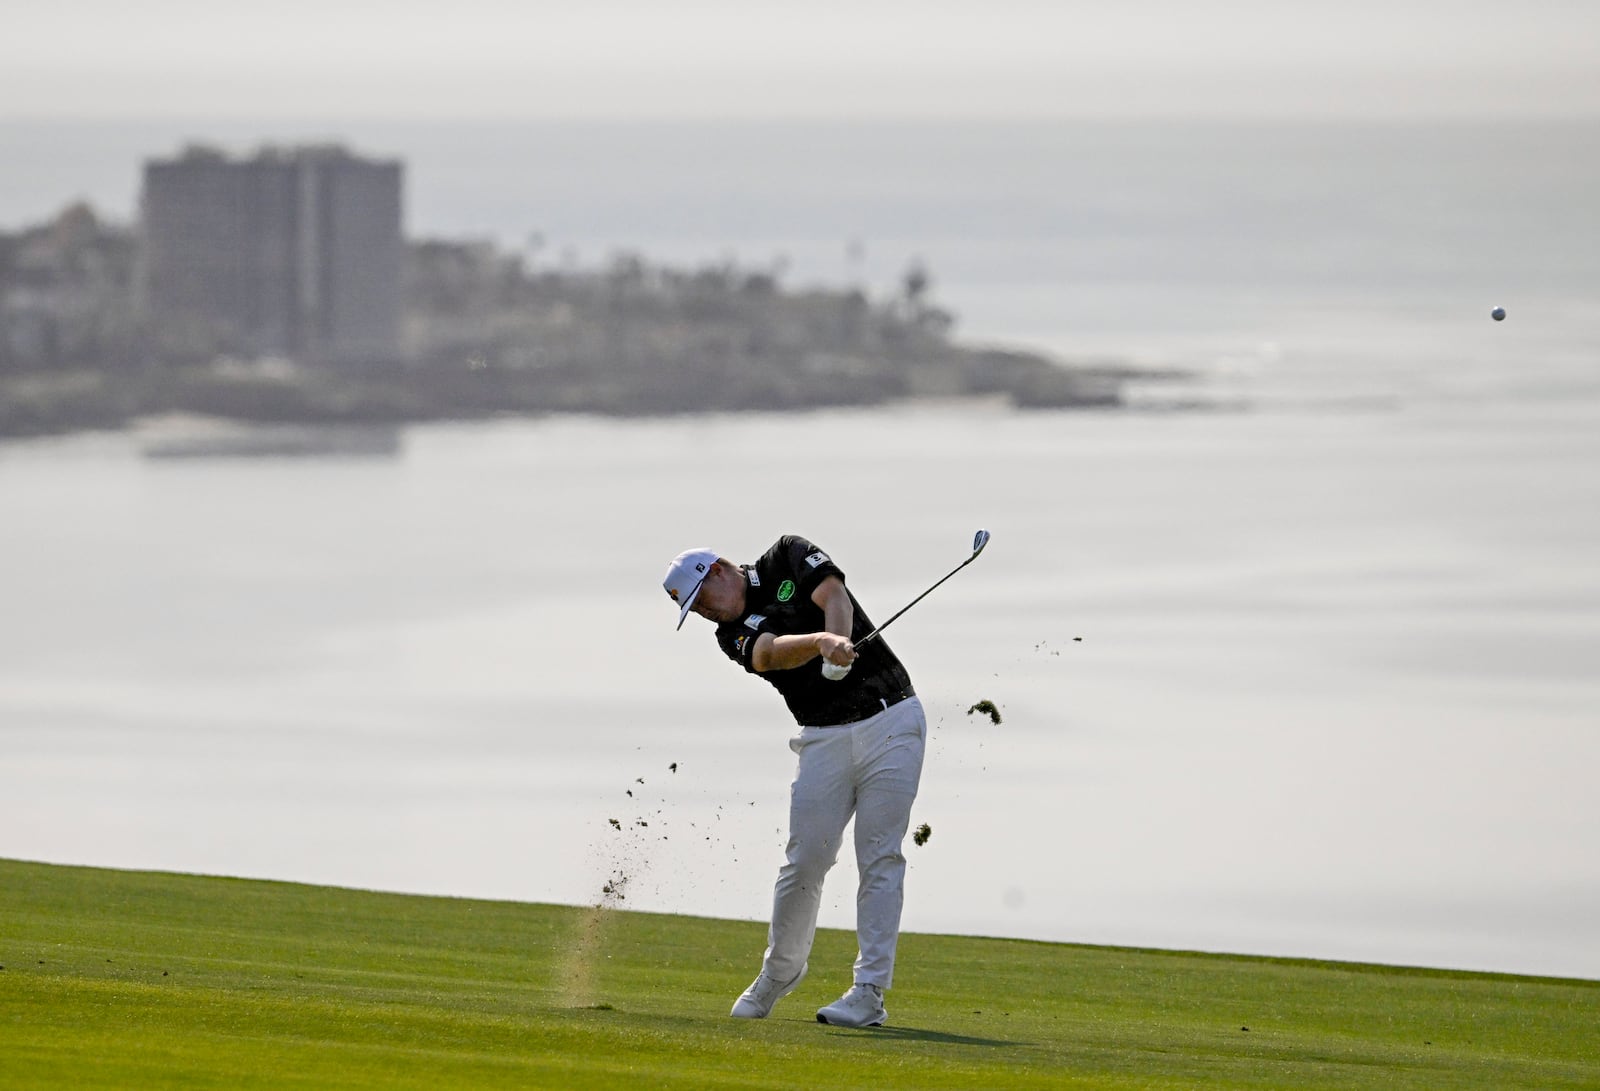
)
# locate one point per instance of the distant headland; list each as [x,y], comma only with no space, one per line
[279,289]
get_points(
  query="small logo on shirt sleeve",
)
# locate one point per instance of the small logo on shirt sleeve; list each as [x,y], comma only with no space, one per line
[754,621]
[817,559]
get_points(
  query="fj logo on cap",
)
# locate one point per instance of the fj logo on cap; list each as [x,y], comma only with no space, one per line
[786,591]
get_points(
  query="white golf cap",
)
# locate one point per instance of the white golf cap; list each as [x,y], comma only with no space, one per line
[685,575]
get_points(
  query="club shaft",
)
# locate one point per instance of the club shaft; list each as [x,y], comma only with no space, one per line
[872,635]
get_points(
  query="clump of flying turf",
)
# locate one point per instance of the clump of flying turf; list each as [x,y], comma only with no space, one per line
[924,832]
[986,707]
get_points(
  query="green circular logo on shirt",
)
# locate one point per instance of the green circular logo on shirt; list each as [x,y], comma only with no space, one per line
[786,591]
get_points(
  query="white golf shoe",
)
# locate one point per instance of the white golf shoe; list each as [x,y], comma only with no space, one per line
[764,991]
[862,1006]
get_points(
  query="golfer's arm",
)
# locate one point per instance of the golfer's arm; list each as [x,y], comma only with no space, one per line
[778,653]
[835,602]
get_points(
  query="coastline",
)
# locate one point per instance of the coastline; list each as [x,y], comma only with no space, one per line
[271,394]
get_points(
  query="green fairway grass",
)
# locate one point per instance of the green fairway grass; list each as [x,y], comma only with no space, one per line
[134,979]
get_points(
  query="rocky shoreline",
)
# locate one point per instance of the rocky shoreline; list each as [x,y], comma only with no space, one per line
[75,401]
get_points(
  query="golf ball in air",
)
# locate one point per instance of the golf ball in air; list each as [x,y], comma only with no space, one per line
[1498,314]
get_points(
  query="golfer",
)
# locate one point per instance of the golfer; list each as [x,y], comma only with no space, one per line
[860,747]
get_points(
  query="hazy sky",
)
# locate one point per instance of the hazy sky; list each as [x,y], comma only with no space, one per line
[828,58]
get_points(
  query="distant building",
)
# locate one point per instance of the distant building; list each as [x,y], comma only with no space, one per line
[65,294]
[294,253]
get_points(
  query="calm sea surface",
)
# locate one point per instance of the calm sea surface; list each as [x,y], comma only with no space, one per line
[1309,671]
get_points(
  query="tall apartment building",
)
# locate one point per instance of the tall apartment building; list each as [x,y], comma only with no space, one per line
[293,253]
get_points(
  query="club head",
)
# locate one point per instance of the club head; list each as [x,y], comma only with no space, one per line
[979,540]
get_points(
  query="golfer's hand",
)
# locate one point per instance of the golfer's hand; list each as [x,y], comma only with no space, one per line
[836,649]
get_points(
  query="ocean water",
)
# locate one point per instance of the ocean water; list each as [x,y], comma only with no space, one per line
[1305,668]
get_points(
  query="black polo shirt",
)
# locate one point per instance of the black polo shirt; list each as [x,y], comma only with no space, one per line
[778,601]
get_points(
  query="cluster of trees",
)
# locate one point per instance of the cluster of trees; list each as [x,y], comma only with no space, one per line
[640,338]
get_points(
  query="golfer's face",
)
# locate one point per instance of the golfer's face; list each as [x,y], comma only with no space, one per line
[722,594]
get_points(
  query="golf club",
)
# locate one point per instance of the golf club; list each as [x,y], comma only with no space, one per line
[979,540]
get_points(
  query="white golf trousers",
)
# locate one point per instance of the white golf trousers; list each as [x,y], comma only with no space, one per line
[871,769]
